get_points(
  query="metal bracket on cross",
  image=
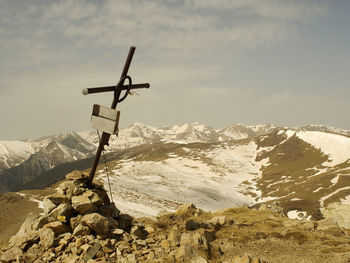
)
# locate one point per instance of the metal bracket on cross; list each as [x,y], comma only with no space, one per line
[107,119]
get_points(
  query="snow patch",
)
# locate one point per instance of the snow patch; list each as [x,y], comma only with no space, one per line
[296,214]
[318,189]
[335,180]
[40,203]
[337,147]
[186,149]
[295,199]
[290,133]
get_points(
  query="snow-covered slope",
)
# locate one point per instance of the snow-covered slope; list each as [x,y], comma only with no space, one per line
[324,128]
[13,153]
[336,146]
[304,171]
[209,177]
[158,168]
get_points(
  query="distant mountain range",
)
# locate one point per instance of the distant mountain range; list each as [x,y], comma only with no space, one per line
[304,168]
[48,152]
[22,162]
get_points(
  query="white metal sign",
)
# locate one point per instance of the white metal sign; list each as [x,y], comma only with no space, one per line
[105,119]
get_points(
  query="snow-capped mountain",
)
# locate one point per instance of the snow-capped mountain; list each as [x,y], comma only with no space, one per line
[13,153]
[27,160]
[239,131]
[324,128]
[139,133]
[306,169]
[23,161]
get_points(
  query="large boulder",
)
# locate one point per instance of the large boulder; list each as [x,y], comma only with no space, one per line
[57,198]
[41,221]
[192,225]
[67,188]
[81,230]
[48,205]
[58,227]
[196,239]
[109,210]
[32,253]
[74,221]
[11,255]
[88,202]
[113,223]
[125,222]
[101,192]
[138,232]
[98,223]
[64,210]
[47,237]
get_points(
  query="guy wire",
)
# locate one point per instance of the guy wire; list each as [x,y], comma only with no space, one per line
[106,168]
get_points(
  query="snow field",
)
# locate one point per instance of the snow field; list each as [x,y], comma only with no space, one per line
[147,187]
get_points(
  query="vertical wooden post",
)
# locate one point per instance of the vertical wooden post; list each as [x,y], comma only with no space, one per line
[105,136]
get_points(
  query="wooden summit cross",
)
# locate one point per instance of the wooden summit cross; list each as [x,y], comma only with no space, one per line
[107,119]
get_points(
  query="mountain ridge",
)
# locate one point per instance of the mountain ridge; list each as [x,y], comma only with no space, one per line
[160,168]
[29,157]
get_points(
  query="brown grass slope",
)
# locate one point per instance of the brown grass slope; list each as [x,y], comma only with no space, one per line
[292,175]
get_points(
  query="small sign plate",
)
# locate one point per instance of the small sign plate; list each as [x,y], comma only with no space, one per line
[105,119]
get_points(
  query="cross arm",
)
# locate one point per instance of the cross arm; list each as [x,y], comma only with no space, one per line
[87,91]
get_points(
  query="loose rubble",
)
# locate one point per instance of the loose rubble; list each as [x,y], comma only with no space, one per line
[80,224]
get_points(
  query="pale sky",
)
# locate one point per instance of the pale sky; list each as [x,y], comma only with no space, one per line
[216,62]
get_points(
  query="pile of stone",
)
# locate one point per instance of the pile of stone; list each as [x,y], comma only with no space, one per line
[78,223]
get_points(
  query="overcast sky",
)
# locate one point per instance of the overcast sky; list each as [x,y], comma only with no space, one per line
[216,62]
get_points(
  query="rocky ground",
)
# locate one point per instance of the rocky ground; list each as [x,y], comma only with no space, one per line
[80,224]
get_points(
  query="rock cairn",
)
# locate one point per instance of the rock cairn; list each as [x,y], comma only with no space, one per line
[78,223]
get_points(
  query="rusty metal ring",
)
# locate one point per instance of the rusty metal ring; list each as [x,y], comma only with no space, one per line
[121,81]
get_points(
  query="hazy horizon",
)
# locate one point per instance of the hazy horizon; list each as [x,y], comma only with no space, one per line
[163,126]
[219,63]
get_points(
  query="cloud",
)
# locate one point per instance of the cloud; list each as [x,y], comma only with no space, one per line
[51,49]
[37,32]
[69,9]
[199,24]
[292,10]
